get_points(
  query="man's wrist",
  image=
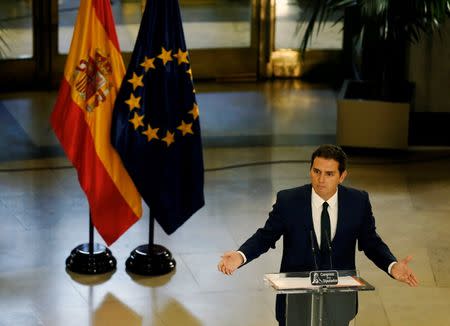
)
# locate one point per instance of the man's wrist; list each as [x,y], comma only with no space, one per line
[244,259]
[390,267]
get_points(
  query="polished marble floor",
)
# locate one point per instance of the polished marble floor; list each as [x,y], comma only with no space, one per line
[274,124]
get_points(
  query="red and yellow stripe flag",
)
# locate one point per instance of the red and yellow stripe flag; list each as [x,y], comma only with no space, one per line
[82,115]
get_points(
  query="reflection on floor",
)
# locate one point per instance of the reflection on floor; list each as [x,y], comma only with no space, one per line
[44,216]
[253,114]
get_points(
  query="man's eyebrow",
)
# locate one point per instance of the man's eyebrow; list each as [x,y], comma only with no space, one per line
[328,172]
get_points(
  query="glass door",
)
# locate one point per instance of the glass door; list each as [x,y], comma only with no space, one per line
[227,39]
[220,34]
[19,44]
[35,35]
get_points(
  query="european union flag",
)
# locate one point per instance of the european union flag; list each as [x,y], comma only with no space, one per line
[155,125]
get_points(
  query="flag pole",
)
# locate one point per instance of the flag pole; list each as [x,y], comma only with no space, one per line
[150,259]
[91,235]
[151,230]
[91,258]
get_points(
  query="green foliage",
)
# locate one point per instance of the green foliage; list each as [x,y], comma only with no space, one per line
[394,19]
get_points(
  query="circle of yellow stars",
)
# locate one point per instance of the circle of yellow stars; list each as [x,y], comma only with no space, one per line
[133,102]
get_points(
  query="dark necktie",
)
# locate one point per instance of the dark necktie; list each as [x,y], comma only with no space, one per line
[324,229]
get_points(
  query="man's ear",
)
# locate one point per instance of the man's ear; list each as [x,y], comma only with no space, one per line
[343,176]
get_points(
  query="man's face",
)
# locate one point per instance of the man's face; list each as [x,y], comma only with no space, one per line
[325,177]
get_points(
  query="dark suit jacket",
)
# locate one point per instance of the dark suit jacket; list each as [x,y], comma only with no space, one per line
[291,218]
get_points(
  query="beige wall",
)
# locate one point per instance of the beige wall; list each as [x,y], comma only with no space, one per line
[429,68]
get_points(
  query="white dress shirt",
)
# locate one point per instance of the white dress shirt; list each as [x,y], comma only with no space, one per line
[316,209]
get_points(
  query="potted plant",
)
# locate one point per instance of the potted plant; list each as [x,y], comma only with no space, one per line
[374,106]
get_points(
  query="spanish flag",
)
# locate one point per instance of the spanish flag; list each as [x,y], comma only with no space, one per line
[82,115]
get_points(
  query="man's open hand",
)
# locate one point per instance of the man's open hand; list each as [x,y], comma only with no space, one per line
[230,261]
[401,272]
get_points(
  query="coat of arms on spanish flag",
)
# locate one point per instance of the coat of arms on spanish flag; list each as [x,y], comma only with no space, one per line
[82,115]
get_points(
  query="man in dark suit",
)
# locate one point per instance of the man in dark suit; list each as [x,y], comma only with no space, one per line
[318,216]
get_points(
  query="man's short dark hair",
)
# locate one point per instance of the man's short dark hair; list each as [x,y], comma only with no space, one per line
[333,152]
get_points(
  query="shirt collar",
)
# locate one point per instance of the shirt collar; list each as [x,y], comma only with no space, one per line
[317,201]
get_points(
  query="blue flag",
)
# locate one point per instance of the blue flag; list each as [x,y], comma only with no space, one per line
[155,123]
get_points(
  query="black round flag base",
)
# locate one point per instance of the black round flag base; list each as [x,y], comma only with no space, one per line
[151,260]
[99,262]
